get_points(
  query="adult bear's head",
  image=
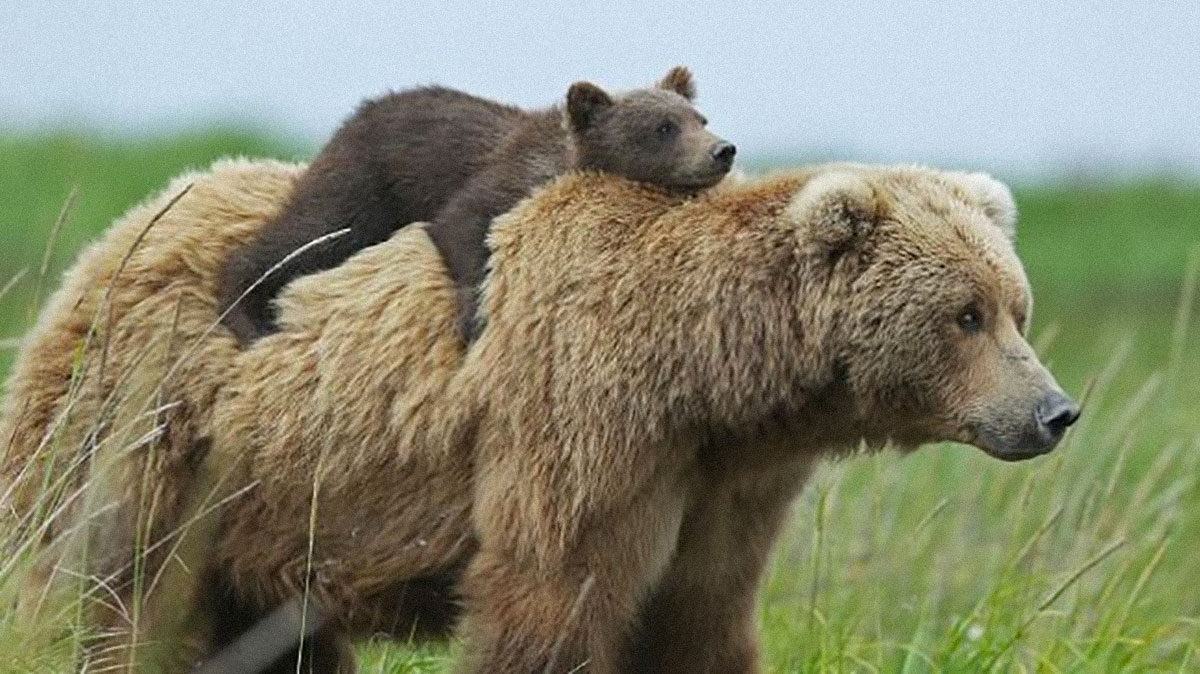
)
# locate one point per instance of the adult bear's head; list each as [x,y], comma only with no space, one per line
[931,330]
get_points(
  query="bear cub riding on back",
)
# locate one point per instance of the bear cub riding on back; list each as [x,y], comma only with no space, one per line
[457,160]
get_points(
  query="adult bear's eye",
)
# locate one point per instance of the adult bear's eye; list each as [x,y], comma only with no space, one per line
[666,128]
[970,320]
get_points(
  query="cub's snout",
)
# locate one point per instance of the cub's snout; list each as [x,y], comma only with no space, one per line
[723,153]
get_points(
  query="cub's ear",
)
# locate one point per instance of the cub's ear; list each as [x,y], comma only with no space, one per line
[995,198]
[584,102]
[679,80]
[835,210]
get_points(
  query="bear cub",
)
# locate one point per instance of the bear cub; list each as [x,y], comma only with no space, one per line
[456,160]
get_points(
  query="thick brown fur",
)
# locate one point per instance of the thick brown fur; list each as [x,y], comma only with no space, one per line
[108,407]
[459,160]
[598,481]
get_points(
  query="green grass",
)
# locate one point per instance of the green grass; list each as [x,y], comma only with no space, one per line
[107,174]
[945,560]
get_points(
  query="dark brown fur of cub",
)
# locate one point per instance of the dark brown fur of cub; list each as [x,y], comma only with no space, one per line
[459,160]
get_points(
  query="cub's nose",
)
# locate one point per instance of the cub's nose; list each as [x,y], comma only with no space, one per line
[1056,413]
[723,152]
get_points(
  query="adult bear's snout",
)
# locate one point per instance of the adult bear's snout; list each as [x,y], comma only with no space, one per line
[1055,414]
[1034,430]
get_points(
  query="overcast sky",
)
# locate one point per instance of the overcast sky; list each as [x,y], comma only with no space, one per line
[1016,87]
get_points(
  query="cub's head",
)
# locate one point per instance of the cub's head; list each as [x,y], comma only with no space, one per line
[932,329]
[650,135]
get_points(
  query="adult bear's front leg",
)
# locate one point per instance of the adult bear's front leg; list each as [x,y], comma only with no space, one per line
[700,619]
[538,604]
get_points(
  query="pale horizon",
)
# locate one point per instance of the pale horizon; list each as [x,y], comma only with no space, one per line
[1019,88]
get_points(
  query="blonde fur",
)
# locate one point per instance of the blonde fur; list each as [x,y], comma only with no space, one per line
[598,480]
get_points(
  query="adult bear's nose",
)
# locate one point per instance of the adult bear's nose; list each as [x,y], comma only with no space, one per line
[723,152]
[1056,413]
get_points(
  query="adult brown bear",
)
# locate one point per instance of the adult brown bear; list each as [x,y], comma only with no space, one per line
[598,480]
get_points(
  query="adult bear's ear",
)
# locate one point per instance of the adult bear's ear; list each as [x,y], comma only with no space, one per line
[835,210]
[584,102]
[995,198]
[679,79]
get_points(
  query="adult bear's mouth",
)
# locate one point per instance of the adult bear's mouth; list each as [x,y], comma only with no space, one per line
[1019,454]
[1016,444]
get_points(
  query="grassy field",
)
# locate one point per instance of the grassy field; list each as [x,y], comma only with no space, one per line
[942,561]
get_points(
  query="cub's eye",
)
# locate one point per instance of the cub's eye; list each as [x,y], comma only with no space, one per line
[970,320]
[702,119]
[666,128]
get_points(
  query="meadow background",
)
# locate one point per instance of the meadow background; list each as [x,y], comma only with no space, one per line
[1086,560]
[945,560]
